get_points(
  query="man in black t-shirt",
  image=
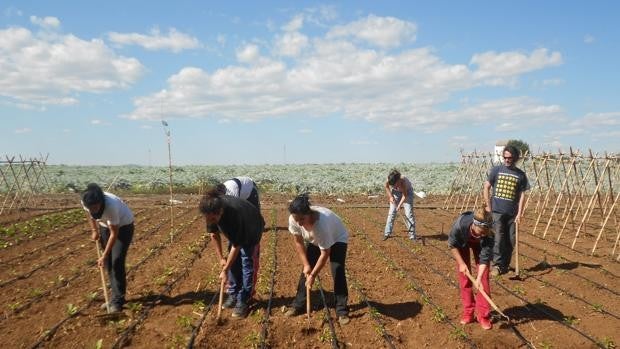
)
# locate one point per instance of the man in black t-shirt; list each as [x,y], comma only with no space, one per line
[242,224]
[509,184]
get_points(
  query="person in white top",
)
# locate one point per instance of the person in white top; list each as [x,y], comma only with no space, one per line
[241,187]
[111,222]
[319,235]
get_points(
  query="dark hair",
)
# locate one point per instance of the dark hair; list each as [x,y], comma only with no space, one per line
[221,188]
[92,195]
[300,204]
[211,202]
[393,177]
[513,151]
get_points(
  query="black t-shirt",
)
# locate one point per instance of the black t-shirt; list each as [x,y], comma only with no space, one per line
[241,222]
[508,185]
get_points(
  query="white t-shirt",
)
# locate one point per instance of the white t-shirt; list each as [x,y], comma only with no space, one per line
[232,189]
[327,230]
[116,212]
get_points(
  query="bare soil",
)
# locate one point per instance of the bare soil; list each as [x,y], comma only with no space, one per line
[402,294]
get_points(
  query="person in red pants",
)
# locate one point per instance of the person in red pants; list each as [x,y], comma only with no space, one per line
[472,232]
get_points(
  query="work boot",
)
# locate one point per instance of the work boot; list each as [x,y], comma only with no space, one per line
[385,237]
[495,271]
[114,308]
[229,302]
[343,319]
[240,311]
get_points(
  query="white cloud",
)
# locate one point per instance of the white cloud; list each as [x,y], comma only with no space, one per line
[174,41]
[12,11]
[291,44]
[40,69]
[48,23]
[96,122]
[146,127]
[248,53]
[305,130]
[493,66]
[384,32]
[295,24]
[409,88]
[23,130]
[588,39]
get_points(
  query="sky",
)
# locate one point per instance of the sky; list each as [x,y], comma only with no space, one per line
[269,82]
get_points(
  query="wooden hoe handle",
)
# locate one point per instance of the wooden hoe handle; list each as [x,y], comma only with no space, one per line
[103,285]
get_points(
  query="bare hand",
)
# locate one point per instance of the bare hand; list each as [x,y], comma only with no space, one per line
[307,270]
[100,261]
[487,208]
[478,283]
[463,268]
[222,262]
[309,281]
[224,276]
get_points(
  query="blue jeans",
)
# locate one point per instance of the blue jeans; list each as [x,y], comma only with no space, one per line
[242,274]
[410,219]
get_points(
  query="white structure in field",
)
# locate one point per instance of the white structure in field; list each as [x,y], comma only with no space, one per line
[497,153]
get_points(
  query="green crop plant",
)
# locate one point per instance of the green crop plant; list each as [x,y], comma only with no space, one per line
[71,309]
[14,306]
[325,336]
[519,290]
[134,307]
[91,296]
[184,321]
[252,340]
[35,292]
[570,320]
[98,344]
[458,333]
[597,307]
[198,306]
[545,345]
[609,343]
[439,315]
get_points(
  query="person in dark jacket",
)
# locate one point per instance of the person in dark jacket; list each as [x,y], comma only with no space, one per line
[242,224]
[472,231]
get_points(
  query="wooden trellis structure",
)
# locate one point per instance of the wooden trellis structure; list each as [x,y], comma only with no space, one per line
[576,194]
[20,180]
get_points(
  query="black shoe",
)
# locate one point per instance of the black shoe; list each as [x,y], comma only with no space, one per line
[240,311]
[385,237]
[229,302]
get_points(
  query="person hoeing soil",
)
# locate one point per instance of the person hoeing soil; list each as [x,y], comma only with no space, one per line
[472,232]
[242,224]
[111,222]
[319,235]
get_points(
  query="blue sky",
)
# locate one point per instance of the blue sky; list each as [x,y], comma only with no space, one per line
[305,82]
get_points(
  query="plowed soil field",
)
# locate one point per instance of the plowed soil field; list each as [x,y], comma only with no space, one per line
[402,294]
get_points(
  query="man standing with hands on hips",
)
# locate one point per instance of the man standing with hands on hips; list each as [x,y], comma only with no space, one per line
[509,183]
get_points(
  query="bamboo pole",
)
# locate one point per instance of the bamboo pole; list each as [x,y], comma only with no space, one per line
[600,233]
[588,208]
[557,167]
[558,198]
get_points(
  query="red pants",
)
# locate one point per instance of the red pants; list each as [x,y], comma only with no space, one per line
[479,304]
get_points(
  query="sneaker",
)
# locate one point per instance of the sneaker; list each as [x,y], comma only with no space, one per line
[467,319]
[229,302]
[114,308]
[292,311]
[413,238]
[240,311]
[343,319]
[495,271]
[485,323]
[385,237]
